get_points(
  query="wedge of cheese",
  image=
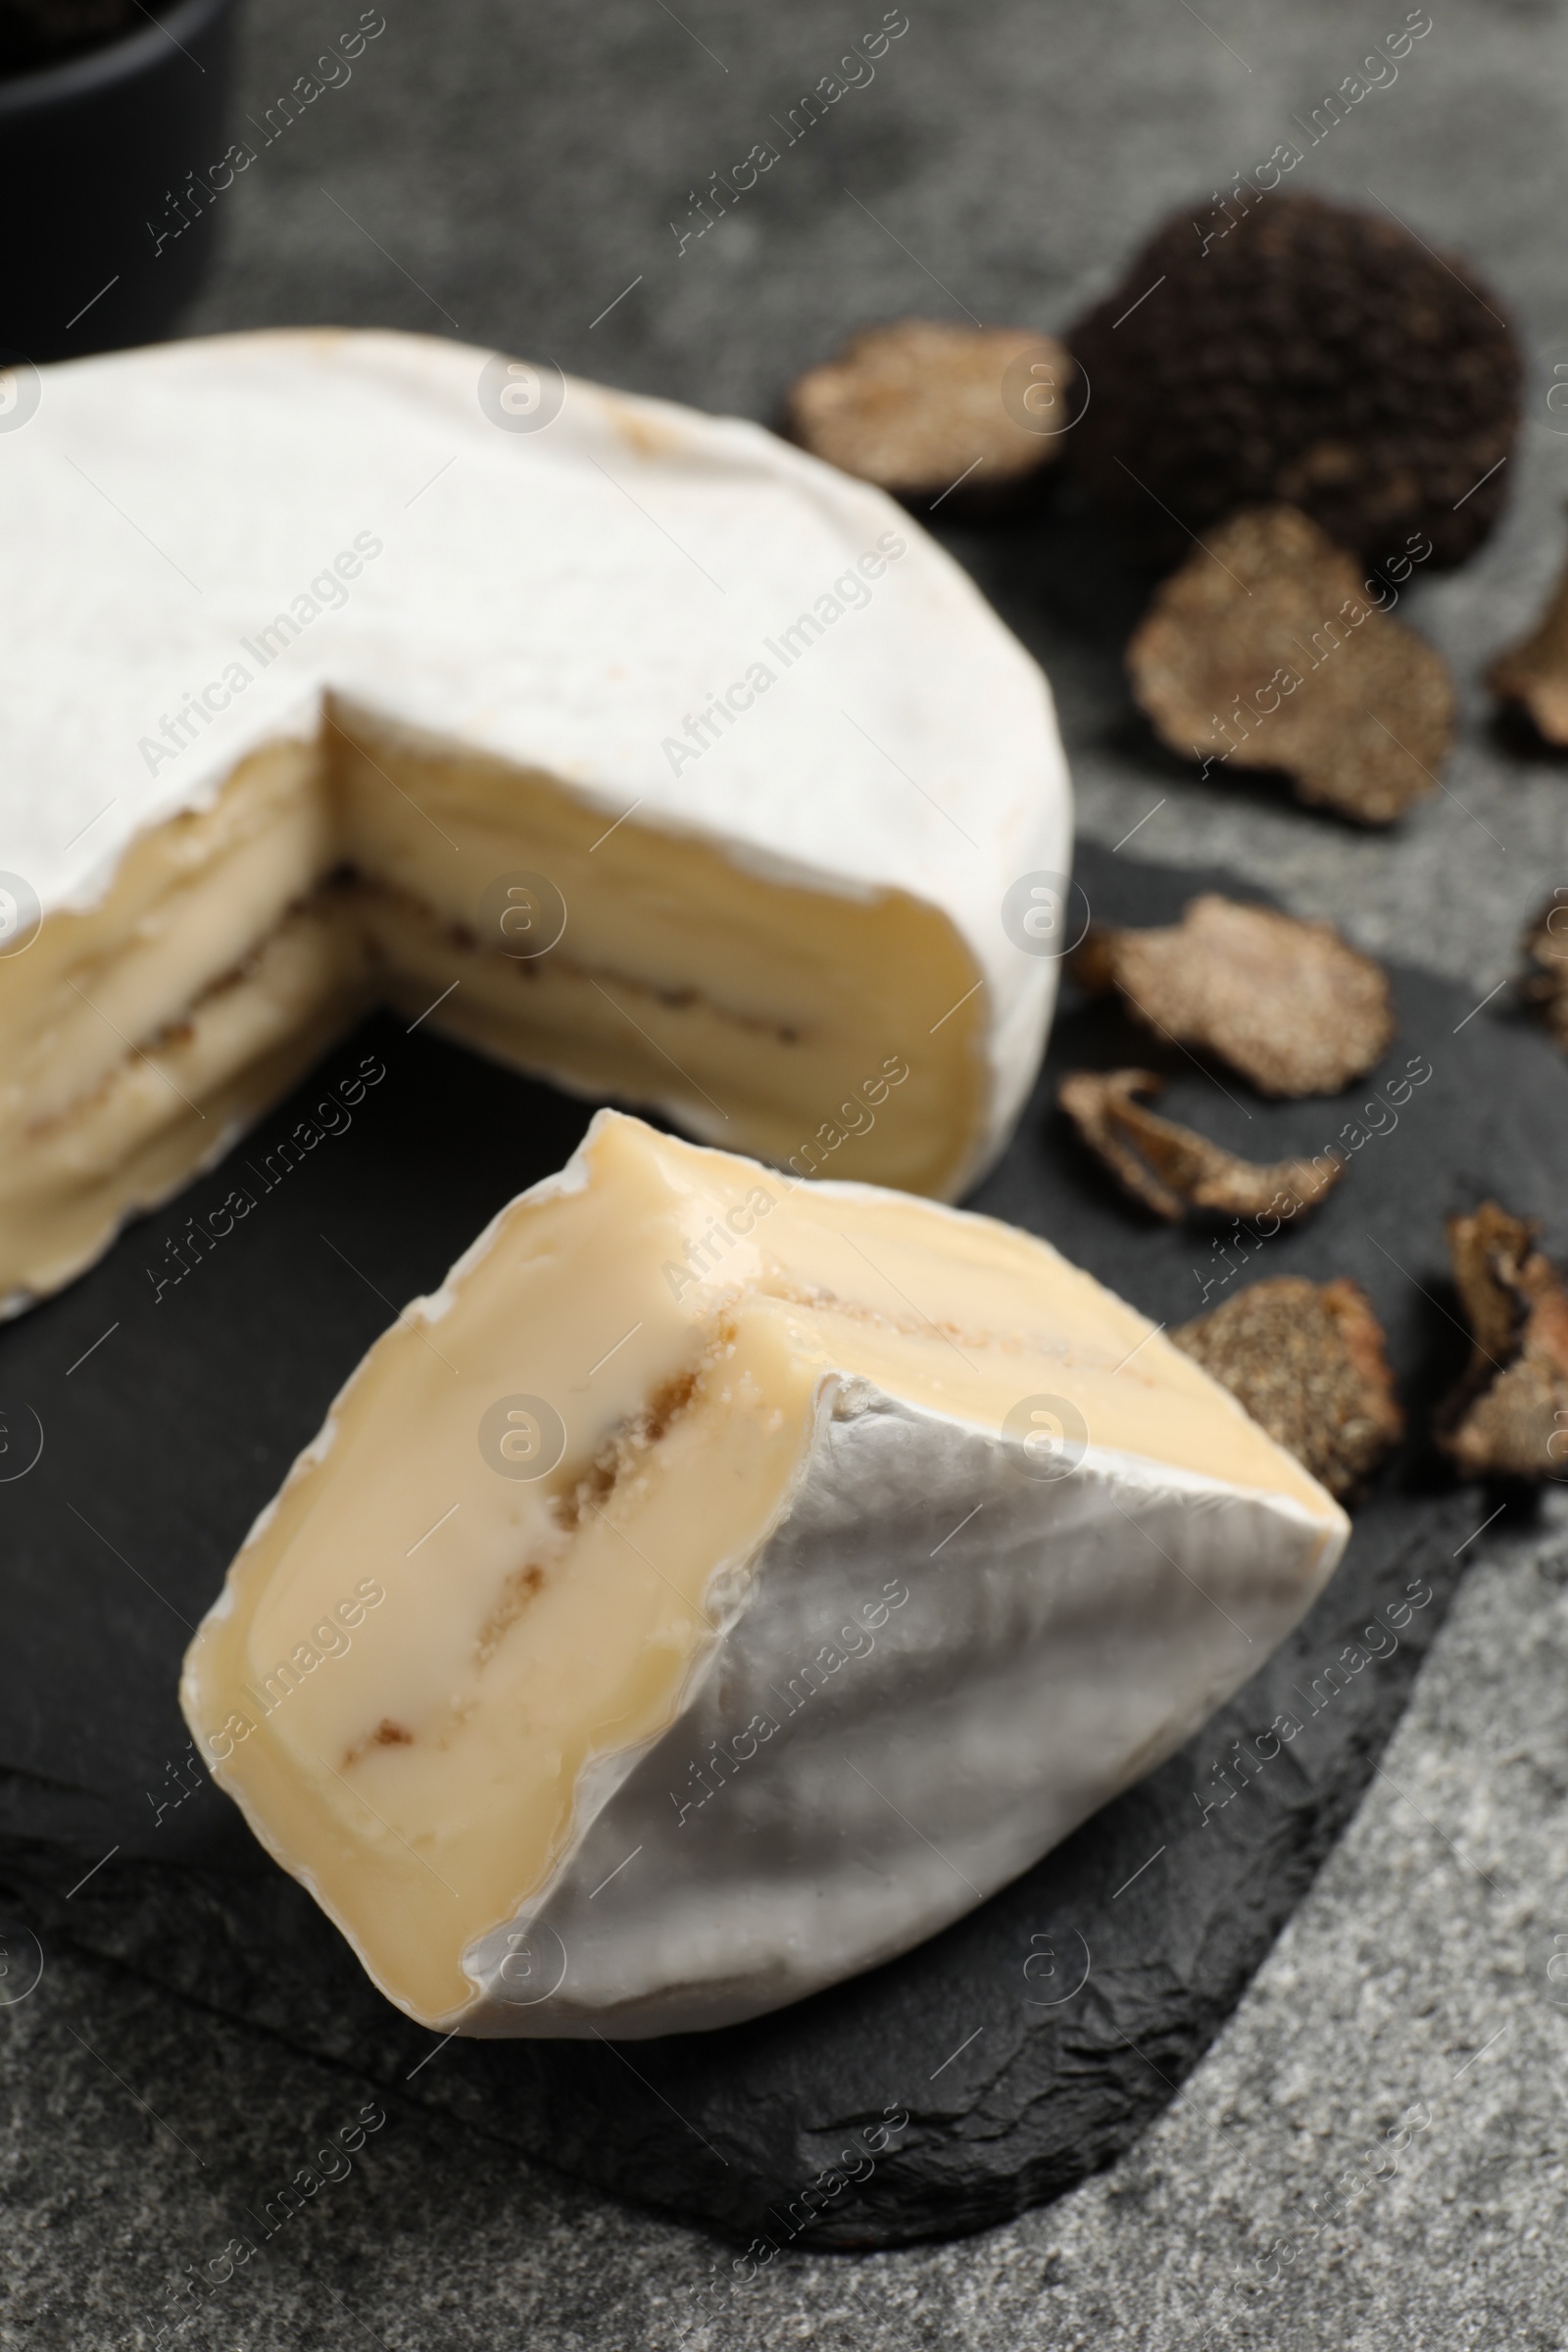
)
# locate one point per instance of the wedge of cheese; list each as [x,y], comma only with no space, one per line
[629,744]
[723,1582]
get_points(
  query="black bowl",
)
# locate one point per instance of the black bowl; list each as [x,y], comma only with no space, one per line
[102,247]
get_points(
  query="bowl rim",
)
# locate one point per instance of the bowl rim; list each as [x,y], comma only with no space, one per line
[119,60]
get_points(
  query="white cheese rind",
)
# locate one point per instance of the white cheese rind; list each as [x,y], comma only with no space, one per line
[564,599]
[1070,1637]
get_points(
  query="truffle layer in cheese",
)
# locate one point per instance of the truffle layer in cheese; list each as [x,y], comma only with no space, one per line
[615,1656]
[754,762]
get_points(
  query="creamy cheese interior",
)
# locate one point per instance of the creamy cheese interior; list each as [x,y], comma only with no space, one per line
[514,1542]
[784,1020]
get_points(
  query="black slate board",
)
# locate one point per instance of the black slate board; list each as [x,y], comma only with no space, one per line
[1033,2040]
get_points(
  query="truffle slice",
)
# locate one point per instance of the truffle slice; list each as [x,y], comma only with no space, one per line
[1307,1361]
[1283,1001]
[1534,671]
[1508,1417]
[1263,650]
[1171,1168]
[1545,943]
[918,406]
[1285,348]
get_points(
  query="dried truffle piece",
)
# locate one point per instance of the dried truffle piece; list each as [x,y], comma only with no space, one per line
[1171,1168]
[1283,1001]
[1534,671]
[916,405]
[1293,349]
[1508,1417]
[1545,943]
[1263,650]
[1307,1361]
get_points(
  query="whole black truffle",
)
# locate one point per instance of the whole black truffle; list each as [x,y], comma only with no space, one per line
[1305,353]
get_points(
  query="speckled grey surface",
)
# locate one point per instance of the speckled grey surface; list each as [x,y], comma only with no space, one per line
[521,168]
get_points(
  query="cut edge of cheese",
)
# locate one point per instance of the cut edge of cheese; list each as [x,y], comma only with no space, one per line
[740,1003]
[430,1681]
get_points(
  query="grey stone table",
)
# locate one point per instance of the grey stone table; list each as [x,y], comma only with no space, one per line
[511,176]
